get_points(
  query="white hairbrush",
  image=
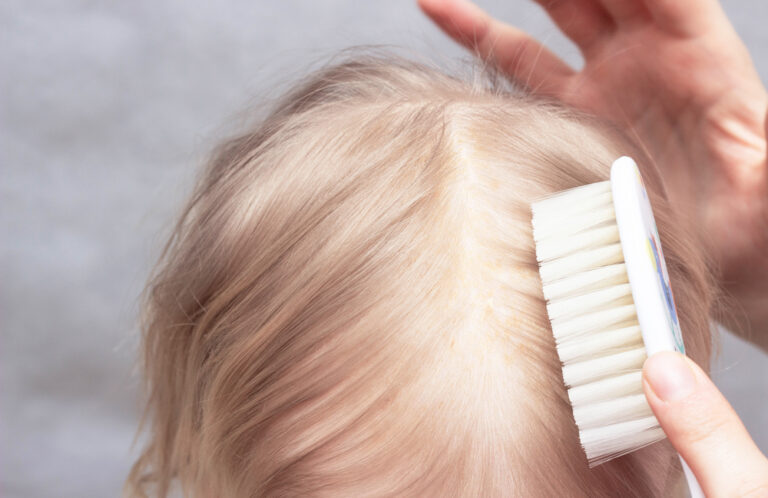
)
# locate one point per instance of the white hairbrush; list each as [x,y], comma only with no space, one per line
[610,305]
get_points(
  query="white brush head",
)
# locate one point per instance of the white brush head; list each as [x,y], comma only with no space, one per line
[609,303]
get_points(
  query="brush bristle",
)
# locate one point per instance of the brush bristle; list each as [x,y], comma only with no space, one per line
[594,320]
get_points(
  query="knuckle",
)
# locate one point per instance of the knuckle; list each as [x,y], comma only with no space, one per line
[702,427]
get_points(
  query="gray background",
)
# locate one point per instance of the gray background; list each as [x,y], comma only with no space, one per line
[106,111]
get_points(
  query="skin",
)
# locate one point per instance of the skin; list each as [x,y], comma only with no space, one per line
[703,428]
[675,74]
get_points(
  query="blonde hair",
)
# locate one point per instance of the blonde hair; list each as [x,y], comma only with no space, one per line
[350,303]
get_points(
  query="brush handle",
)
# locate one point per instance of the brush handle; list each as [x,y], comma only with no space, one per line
[644,259]
[694,489]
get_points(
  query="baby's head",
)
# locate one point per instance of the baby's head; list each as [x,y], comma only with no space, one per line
[350,304]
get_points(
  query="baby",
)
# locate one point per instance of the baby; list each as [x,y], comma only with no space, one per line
[350,303]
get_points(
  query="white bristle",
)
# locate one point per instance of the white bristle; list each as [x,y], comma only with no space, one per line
[578,222]
[598,278]
[580,261]
[611,441]
[594,320]
[588,347]
[601,390]
[584,371]
[601,413]
[575,305]
[550,249]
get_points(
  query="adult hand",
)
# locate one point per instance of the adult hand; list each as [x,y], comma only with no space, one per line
[675,74]
[703,428]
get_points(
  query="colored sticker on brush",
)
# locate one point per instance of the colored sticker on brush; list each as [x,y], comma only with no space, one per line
[644,258]
[659,264]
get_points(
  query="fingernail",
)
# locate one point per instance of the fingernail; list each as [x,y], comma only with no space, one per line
[669,375]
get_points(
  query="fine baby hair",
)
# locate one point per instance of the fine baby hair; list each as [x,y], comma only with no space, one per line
[350,302]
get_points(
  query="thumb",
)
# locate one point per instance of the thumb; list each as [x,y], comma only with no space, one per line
[703,427]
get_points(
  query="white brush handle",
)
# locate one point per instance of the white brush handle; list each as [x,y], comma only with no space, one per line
[644,259]
[648,277]
[693,485]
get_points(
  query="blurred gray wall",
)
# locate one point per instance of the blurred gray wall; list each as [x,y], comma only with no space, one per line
[107,109]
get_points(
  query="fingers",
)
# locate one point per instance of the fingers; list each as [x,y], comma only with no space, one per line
[703,427]
[510,49]
[626,11]
[686,17]
[583,21]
